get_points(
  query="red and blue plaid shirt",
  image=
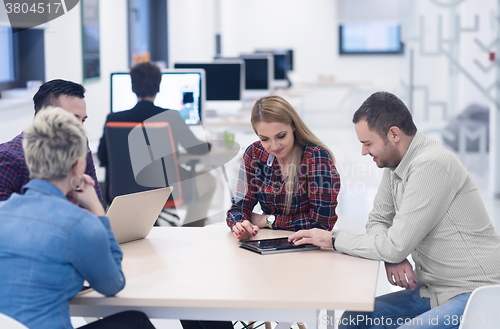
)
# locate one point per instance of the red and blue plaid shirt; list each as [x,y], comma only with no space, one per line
[314,197]
[14,173]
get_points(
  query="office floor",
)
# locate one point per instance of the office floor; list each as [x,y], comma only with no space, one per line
[328,112]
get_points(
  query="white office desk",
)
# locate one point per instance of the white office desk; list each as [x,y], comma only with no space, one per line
[201,273]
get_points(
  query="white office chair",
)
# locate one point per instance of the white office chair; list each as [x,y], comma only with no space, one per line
[6,322]
[482,309]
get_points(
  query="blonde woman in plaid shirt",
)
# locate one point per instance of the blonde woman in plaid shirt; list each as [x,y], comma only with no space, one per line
[289,172]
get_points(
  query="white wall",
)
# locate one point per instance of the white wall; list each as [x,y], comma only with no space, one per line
[63,60]
[309,27]
[433,68]
[114,58]
[191,30]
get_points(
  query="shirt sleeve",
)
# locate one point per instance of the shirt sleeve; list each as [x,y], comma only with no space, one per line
[321,190]
[9,176]
[96,255]
[383,212]
[184,136]
[246,191]
[102,151]
[420,210]
[90,170]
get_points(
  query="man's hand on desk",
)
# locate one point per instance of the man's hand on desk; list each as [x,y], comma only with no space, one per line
[244,230]
[401,274]
[315,236]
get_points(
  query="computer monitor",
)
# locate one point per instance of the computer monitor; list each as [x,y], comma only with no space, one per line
[181,90]
[281,66]
[290,59]
[224,79]
[370,38]
[259,74]
[259,71]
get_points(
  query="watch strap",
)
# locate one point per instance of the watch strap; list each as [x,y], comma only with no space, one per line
[270,222]
[334,237]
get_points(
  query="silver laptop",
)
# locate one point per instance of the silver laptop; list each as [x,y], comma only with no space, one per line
[133,215]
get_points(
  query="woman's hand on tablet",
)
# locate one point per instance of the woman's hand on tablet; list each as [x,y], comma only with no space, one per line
[244,230]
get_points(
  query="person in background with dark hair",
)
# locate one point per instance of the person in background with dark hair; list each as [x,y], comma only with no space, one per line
[146,78]
[428,206]
[67,95]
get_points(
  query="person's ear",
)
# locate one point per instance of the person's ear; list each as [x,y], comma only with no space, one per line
[394,134]
[79,167]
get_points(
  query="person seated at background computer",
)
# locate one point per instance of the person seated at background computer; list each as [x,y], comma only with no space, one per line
[14,173]
[290,172]
[43,264]
[146,78]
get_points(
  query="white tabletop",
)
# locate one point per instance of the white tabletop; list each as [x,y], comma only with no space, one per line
[201,273]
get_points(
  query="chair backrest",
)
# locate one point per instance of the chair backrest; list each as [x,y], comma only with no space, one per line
[142,156]
[482,309]
[6,322]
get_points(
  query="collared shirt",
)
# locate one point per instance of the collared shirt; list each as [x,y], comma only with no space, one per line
[314,197]
[14,173]
[429,206]
[48,246]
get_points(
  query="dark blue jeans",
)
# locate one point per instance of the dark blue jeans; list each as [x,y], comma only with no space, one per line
[122,320]
[406,309]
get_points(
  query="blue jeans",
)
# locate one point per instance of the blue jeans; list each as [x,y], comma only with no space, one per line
[406,309]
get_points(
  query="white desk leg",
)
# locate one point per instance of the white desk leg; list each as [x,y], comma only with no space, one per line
[90,320]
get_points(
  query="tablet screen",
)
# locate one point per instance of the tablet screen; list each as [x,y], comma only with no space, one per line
[274,245]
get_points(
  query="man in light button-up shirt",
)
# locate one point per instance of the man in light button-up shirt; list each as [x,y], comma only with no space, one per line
[428,206]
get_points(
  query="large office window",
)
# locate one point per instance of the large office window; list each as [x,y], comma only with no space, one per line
[148,37]
[7,72]
[140,28]
[22,57]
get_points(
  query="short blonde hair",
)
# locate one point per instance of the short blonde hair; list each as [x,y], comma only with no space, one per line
[53,143]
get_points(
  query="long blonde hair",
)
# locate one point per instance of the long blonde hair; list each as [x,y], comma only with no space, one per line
[276,109]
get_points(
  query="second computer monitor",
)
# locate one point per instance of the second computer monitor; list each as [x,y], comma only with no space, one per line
[224,79]
[282,64]
[259,75]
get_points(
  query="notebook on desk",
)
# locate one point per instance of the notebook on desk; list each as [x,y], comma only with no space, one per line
[132,216]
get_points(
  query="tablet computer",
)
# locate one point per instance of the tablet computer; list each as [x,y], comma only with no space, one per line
[273,246]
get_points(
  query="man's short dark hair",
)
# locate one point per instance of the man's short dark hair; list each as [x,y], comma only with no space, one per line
[383,110]
[146,78]
[48,94]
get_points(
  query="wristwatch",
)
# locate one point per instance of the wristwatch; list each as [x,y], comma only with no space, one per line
[270,220]
[334,236]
